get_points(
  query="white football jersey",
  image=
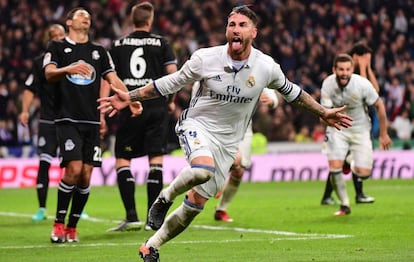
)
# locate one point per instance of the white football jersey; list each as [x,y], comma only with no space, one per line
[226,99]
[356,95]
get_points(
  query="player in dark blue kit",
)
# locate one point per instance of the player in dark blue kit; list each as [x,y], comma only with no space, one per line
[47,143]
[140,58]
[77,66]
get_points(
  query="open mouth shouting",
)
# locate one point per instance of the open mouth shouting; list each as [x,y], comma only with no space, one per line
[236,44]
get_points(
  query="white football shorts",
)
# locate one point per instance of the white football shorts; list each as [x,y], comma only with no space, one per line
[196,141]
[339,142]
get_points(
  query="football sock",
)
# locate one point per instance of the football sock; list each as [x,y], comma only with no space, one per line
[79,199]
[186,179]
[63,200]
[42,182]
[175,223]
[154,184]
[338,183]
[229,192]
[357,184]
[126,186]
[328,187]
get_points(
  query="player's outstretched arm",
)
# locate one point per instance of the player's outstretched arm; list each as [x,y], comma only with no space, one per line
[331,116]
[113,104]
[121,99]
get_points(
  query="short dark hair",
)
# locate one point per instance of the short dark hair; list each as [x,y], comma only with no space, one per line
[72,12]
[360,48]
[246,11]
[141,13]
[342,58]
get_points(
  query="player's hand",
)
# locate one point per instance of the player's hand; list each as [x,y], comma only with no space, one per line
[364,61]
[24,118]
[384,142]
[334,117]
[80,68]
[113,104]
[171,107]
[136,109]
[266,100]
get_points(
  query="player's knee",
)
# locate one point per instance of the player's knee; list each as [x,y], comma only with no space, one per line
[202,173]
[237,171]
[362,173]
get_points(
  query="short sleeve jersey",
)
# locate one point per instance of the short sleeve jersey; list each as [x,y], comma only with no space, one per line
[226,99]
[356,95]
[76,95]
[140,58]
[37,84]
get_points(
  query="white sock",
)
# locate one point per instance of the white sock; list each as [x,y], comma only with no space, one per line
[174,224]
[339,186]
[229,192]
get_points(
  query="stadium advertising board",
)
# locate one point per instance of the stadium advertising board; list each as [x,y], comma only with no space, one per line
[15,172]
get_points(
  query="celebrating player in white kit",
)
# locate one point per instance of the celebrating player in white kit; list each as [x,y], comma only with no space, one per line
[357,93]
[232,77]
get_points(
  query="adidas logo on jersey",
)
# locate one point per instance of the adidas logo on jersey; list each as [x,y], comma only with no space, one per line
[217,78]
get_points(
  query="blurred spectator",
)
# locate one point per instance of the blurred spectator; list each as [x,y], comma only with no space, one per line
[402,126]
[303,135]
[318,134]
[395,97]
[6,136]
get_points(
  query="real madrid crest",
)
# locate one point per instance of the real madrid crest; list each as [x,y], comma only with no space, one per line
[250,81]
[197,141]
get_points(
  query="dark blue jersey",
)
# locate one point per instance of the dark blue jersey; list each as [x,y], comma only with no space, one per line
[37,84]
[140,58]
[76,95]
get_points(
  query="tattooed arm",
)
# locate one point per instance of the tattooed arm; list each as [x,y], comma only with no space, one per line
[122,99]
[143,93]
[332,116]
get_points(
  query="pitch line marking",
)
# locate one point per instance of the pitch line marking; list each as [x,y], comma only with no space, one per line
[172,242]
[293,236]
[271,232]
[206,227]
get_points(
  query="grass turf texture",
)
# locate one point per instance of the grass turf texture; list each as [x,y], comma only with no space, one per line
[273,222]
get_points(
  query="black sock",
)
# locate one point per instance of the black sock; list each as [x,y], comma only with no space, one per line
[154,184]
[328,188]
[42,183]
[63,200]
[357,184]
[126,185]
[79,199]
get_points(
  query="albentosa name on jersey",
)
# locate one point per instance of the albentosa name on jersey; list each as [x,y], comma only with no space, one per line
[138,42]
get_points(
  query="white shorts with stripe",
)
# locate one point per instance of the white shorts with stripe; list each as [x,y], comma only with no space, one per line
[197,141]
[339,142]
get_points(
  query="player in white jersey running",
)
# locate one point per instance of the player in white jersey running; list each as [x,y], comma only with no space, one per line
[232,77]
[357,93]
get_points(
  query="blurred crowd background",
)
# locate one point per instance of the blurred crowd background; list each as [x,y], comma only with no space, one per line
[303,36]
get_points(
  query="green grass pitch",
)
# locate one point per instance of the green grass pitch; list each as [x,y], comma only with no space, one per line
[273,222]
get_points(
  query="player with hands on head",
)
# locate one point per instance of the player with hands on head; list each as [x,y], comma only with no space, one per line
[232,78]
